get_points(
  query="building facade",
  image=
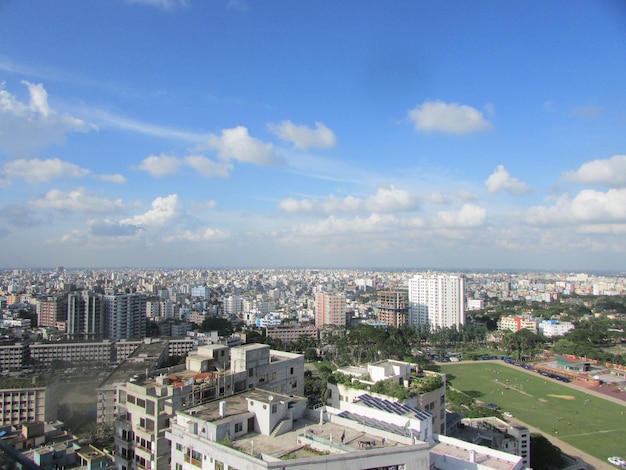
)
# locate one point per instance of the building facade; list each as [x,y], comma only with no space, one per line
[330,309]
[437,300]
[392,307]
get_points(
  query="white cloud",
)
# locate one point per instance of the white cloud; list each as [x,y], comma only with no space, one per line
[501,180]
[203,235]
[386,199]
[160,165]
[469,216]
[27,127]
[77,200]
[203,206]
[329,205]
[164,210]
[450,118]
[391,200]
[116,178]
[375,223]
[304,137]
[207,167]
[39,171]
[589,206]
[606,172]
[237,144]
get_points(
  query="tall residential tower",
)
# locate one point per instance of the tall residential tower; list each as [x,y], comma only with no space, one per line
[437,300]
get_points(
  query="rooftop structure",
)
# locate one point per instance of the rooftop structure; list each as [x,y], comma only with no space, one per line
[263,430]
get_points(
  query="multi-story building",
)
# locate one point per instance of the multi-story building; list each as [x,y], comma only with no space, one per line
[550,328]
[50,311]
[330,309]
[392,307]
[233,305]
[259,430]
[202,292]
[146,404]
[517,323]
[497,434]
[85,316]
[292,333]
[437,300]
[100,352]
[125,315]
[12,356]
[427,389]
[24,401]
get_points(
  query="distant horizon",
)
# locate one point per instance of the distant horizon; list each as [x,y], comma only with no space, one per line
[302,268]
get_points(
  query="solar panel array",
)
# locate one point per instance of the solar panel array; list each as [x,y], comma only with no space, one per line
[374,423]
[393,407]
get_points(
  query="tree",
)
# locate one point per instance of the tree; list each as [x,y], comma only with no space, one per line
[543,454]
[223,326]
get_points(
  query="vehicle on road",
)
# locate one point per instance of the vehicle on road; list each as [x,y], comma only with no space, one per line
[617,461]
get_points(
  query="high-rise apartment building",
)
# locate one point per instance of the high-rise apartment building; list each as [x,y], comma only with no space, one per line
[50,311]
[330,309]
[437,300]
[392,307]
[85,316]
[125,315]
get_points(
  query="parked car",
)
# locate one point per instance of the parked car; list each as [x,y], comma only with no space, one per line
[617,461]
[507,414]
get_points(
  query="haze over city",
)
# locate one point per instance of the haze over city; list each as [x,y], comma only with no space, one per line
[484,134]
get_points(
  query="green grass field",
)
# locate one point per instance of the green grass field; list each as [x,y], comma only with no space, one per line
[591,424]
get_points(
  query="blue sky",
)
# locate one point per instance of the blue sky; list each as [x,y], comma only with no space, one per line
[227,133]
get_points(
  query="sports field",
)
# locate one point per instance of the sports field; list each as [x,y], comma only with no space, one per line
[589,423]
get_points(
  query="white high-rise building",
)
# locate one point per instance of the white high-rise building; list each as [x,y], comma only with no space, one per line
[437,300]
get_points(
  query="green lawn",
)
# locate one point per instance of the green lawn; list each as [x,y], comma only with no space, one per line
[597,427]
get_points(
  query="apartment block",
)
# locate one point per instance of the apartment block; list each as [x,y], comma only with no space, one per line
[437,300]
[12,356]
[292,333]
[517,323]
[22,400]
[75,353]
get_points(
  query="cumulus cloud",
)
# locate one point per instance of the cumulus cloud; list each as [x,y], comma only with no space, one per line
[237,144]
[501,180]
[450,118]
[589,206]
[28,126]
[329,205]
[391,199]
[164,210]
[606,172]
[386,199]
[207,234]
[77,200]
[39,171]
[207,167]
[469,216]
[116,178]
[112,228]
[160,165]
[303,137]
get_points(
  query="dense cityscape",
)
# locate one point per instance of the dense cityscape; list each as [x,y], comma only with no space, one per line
[82,349]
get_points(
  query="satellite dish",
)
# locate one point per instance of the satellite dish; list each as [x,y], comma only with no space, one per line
[271,398]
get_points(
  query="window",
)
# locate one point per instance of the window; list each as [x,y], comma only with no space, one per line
[150,407]
[294,384]
[251,372]
[130,399]
[274,407]
[238,427]
[141,402]
[291,371]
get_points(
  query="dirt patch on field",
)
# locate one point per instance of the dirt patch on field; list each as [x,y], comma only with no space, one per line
[563,397]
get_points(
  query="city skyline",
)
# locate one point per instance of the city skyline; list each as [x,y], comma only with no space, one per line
[172,133]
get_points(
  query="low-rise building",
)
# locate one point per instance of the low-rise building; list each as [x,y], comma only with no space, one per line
[551,328]
[517,323]
[421,389]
